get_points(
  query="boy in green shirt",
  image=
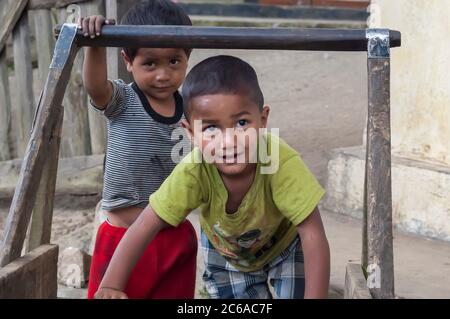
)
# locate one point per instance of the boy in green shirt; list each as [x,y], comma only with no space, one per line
[258,200]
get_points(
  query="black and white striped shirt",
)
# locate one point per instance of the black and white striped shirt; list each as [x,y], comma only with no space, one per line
[138,156]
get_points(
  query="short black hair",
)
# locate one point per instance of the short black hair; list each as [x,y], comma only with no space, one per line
[154,12]
[222,74]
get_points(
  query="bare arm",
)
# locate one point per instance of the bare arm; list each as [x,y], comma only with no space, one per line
[317,256]
[95,76]
[128,252]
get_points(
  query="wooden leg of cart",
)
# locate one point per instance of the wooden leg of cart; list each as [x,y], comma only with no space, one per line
[377,255]
[40,159]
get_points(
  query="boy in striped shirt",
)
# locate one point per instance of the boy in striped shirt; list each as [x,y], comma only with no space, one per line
[141,117]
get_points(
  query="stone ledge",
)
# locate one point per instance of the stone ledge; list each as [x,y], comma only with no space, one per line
[420,192]
[71,293]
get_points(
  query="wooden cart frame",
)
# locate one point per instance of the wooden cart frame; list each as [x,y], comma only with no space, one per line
[34,193]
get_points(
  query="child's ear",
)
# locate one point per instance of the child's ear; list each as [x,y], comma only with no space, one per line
[265,115]
[127,60]
[188,129]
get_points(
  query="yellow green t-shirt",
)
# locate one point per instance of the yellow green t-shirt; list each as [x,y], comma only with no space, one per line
[265,222]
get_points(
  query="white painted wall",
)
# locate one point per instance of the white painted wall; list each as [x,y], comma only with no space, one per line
[420,75]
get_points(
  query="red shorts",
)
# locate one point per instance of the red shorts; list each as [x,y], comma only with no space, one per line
[165,270]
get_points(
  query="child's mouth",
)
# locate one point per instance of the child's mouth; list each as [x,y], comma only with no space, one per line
[162,88]
[231,158]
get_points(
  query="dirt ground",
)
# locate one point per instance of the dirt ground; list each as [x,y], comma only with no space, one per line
[318,101]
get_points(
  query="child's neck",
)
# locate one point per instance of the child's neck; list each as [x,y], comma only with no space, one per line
[165,107]
[237,187]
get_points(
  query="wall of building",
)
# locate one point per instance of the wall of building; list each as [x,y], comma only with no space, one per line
[420,87]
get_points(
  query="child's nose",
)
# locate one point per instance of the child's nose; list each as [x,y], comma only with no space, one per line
[163,75]
[228,140]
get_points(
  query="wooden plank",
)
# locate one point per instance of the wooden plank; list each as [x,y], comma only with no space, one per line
[30,174]
[315,39]
[115,9]
[23,71]
[33,276]
[76,136]
[41,222]
[45,43]
[364,258]
[48,4]
[378,193]
[7,148]
[13,13]
[97,122]
[5,109]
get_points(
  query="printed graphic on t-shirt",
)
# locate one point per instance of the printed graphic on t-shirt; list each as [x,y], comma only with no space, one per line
[243,248]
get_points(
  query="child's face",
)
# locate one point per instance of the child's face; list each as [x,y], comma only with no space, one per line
[226,128]
[158,72]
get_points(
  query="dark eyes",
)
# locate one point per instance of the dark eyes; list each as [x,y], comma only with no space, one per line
[239,124]
[152,64]
[209,128]
[242,123]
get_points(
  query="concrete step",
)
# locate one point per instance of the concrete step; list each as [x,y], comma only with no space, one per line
[421,266]
[71,293]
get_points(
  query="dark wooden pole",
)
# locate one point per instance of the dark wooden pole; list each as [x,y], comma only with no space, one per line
[35,155]
[378,260]
[231,38]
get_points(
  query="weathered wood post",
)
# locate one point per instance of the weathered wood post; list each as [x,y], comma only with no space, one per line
[5,101]
[45,42]
[10,14]
[41,137]
[377,254]
[41,221]
[33,276]
[23,71]
[97,122]
[5,109]
[116,9]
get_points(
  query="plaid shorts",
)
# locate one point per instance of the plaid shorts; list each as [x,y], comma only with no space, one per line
[285,274]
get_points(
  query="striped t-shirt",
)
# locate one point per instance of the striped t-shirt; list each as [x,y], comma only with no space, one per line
[138,156]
